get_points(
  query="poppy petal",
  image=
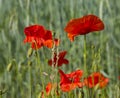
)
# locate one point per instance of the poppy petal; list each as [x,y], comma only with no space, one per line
[63,77]
[48,88]
[70,81]
[62,54]
[84,25]
[29,39]
[59,60]
[38,36]
[96,79]
[57,42]
[48,43]
[104,83]
[68,87]
[35,30]
[48,35]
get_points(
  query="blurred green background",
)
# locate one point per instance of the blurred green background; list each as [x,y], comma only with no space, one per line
[103,48]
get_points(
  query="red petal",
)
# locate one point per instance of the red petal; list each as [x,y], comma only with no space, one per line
[57,42]
[68,87]
[71,37]
[60,60]
[62,54]
[96,78]
[75,76]
[36,45]
[84,25]
[48,35]
[93,22]
[63,78]
[73,26]
[48,43]
[29,39]
[50,62]
[35,30]
[48,88]
[104,82]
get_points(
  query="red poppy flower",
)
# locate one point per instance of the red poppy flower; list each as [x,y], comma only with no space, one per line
[48,90]
[84,25]
[70,81]
[49,87]
[61,60]
[38,36]
[96,79]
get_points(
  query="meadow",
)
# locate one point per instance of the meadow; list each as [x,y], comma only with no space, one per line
[24,72]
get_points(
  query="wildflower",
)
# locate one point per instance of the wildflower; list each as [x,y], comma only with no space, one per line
[96,79]
[84,25]
[59,60]
[38,36]
[49,88]
[70,81]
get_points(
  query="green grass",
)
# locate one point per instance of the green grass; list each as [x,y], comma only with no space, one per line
[23,80]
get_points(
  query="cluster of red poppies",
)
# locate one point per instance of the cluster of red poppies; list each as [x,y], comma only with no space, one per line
[38,36]
[74,79]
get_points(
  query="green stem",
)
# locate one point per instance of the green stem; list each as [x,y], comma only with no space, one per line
[38,64]
[85,56]
[85,62]
[0,93]
[30,83]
